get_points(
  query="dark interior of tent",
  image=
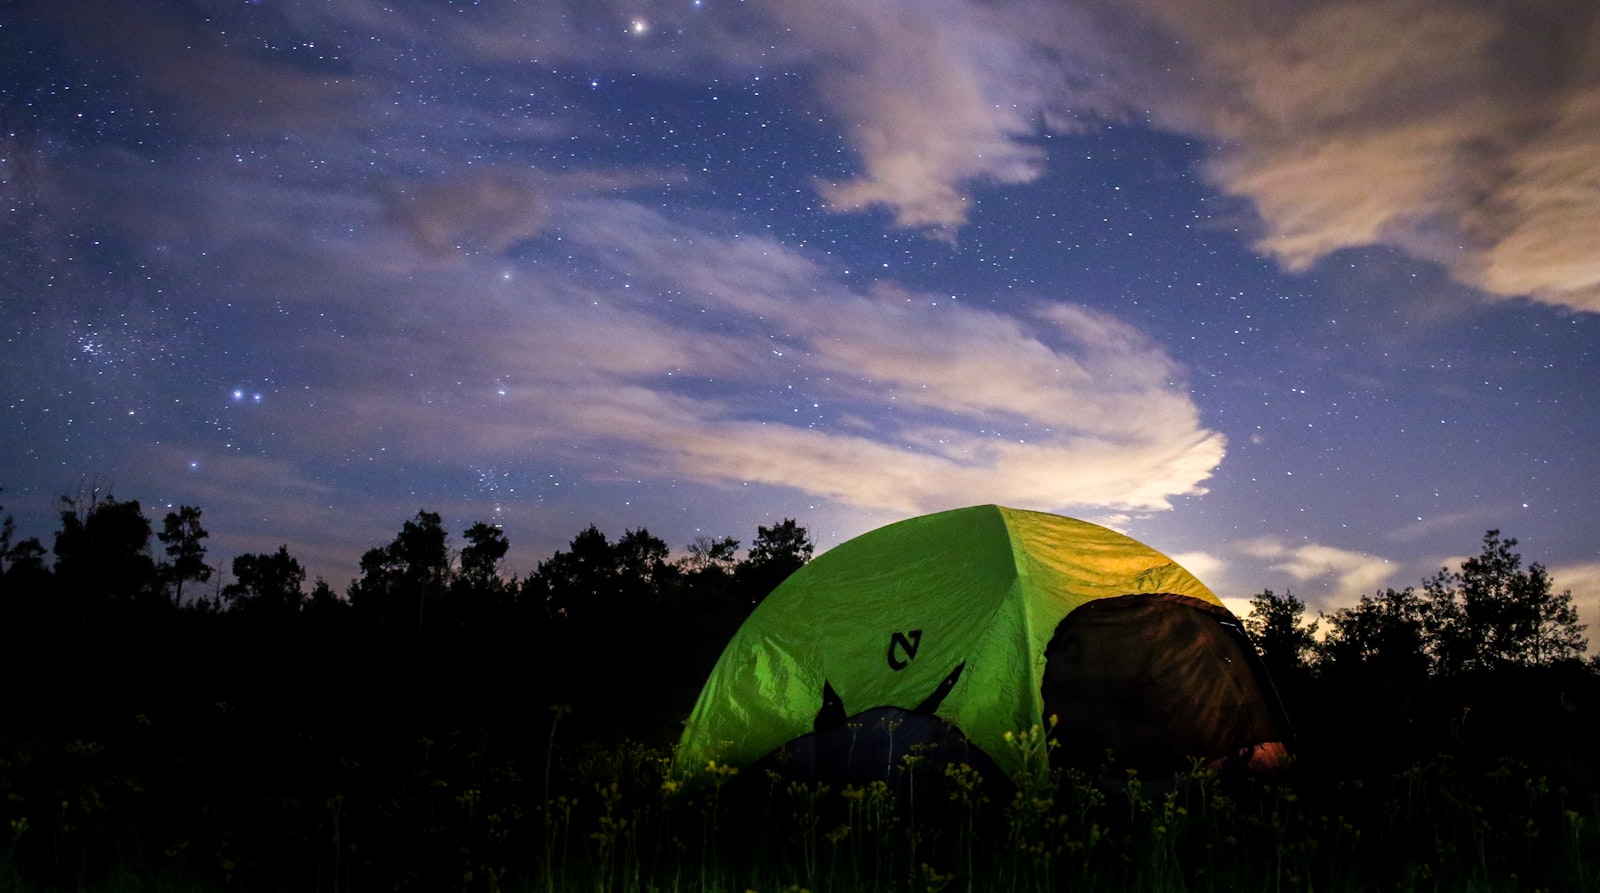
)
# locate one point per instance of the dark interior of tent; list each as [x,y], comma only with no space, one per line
[1156,683]
[873,745]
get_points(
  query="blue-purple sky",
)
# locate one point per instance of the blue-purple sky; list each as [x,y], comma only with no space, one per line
[1306,295]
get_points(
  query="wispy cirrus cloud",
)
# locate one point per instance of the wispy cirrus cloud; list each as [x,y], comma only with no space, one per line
[761,367]
[620,340]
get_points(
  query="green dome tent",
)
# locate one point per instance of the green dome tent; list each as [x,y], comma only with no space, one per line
[977,622]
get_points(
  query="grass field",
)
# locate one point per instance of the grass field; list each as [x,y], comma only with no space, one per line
[463,811]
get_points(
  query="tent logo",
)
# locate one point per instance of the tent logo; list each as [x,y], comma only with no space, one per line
[904,643]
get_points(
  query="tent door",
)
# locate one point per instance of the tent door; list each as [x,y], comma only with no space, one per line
[1159,681]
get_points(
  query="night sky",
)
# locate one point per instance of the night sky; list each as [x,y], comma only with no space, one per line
[1306,295]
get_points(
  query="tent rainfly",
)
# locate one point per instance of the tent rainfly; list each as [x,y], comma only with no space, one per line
[965,625]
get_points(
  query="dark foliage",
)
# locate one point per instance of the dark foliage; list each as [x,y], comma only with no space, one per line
[777,552]
[181,534]
[266,582]
[1276,629]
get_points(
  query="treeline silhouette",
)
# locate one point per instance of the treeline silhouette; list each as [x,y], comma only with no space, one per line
[123,619]
[1484,661]
[202,716]
[148,712]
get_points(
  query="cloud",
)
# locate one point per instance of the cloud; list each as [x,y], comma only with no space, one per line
[1342,574]
[254,504]
[1202,564]
[478,211]
[1542,238]
[1477,518]
[641,345]
[1213,571]
[1060,407]
[195,63]
[902,475]
[1463,133]
[932,97]
[660,350]
[926,92]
